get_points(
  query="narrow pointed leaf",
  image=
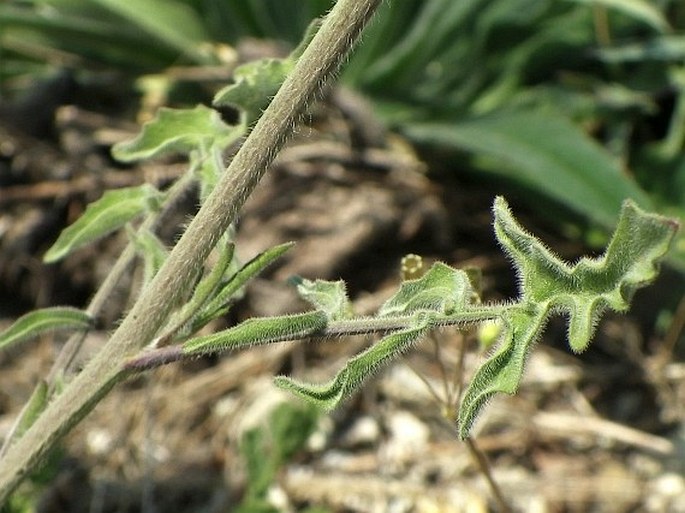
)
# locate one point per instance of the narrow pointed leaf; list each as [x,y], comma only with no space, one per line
[204,291]
[33,408]
[41,321]
[232,287]
[112,211]
[258,331]
[177,131]
[359,368]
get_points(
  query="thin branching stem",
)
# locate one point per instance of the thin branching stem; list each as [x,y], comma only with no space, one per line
[484,466]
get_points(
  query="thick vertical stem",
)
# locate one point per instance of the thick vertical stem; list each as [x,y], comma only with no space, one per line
[331,45]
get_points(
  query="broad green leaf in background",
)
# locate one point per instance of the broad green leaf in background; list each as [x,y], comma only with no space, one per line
[545,151]
[661,48]
[178,131]
[41,321]
[171,21]
[640,10]
[112,211]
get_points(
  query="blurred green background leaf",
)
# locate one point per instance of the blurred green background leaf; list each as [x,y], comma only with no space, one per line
[579,103]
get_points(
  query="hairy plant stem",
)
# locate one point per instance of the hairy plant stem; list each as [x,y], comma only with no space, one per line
[151,358]
[67,355]
[322,58]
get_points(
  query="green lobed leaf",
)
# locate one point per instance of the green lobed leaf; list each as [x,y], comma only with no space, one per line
[178,131]
[441,289]
[582,291]
[327,296]
[585,289]
[258,331]
[40,321]
[112,211]
[255,85]
[359,368]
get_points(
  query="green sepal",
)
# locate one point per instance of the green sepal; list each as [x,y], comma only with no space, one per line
[258,331]
[44,320]
[358,369]
[178,131]
[328,296]
[112,211]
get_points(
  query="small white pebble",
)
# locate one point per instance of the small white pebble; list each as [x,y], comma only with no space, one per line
[99,442]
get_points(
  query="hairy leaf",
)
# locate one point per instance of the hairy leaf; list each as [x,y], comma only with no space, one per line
[585,289]
[257,82]
[327,296]
[112,211]
[255,85]
[441,289]
[259,331]
[178,131]
[582,291]
[503,371]
[233,285]
[38,322]
[359,368]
